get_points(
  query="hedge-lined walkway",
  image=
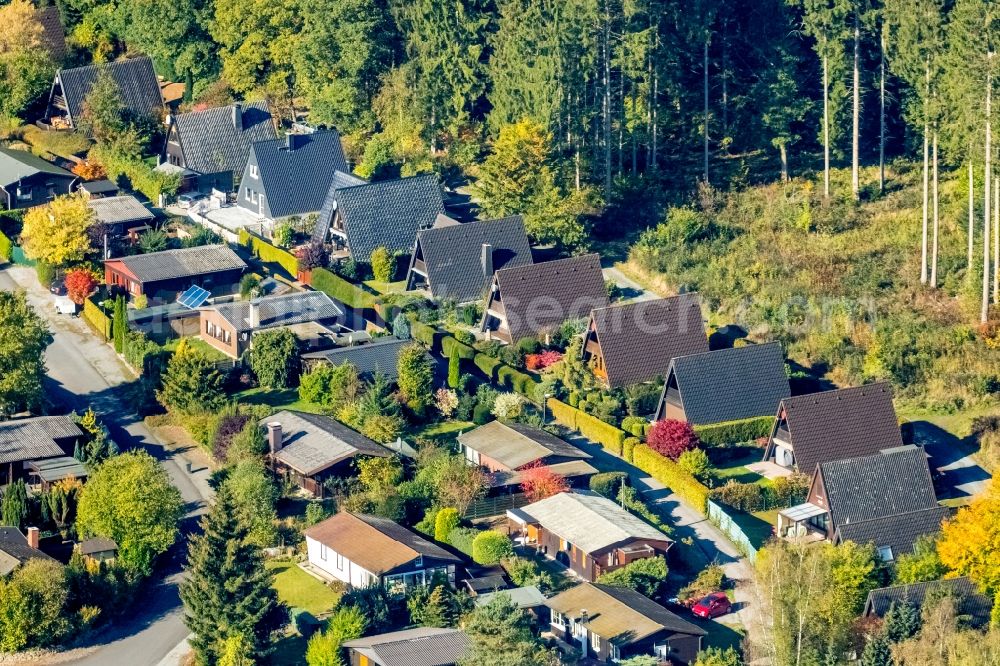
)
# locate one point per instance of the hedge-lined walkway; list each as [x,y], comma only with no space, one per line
[710,544]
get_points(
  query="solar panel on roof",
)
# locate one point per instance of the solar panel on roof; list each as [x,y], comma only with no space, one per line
[194,297]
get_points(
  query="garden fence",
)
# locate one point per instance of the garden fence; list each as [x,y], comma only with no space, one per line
[718,516]
[494,506]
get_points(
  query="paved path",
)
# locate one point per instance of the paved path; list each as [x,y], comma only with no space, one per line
[961,475]
[708,543]
[84,371]
[633,291]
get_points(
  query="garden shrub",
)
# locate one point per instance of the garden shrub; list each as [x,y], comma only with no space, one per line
[46,273]
[462,538]
[671,437]
[6,248]
[340,289]
[608,483]
[642,399]
[449,344]
[528,345]
[422,332]
[490,547]
[482,413]
[428,524]
[696,463]
[670,474]
[628,447]
[574,399]
[634,425]
[487,365]
[445,521]
[465,337]
[734,432]
[708,580]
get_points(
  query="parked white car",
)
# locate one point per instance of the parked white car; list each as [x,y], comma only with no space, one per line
[64,305]
[189,199]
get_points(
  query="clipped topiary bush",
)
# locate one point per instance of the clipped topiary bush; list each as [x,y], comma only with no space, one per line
[490,547]
[445,521]
[628,447]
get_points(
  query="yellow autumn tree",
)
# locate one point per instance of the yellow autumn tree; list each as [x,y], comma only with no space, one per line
[970,542]
[56,233]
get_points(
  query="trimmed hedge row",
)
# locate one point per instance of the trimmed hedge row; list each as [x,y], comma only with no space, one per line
[6,247]
[591,427]
[670,474]
[628,447]
[341,290]
[269,253]
[487,365]
[563,413]
[732,432]
[96,317]
[450,344]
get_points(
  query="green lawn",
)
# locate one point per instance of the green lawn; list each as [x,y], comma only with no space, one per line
[731,464]
[386,287]
[289,651]
[279,399]
[300,590]
[196,344]
[756,526]
[444,431]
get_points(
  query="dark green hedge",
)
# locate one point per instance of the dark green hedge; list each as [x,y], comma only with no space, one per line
[734,432]
[608,483]
[341,290]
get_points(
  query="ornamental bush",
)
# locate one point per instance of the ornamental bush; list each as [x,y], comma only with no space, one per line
[633,425]
[671,438]
[696,463]
[490,547]
[608,483]
[445,521]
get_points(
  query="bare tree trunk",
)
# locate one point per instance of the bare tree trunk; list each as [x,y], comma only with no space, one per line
[923,237]
[934,248]
[783,150]
[855,175]
[621,111]
[972,223]
[984,311]
[996,240]
[881,119]
[826,126]
[607,100]
[705,67]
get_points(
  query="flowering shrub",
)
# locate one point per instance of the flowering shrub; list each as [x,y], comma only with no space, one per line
[671,438]
[89,170]
[508,406]
[446,401]
[542,360]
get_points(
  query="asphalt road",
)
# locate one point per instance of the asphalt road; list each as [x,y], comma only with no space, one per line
[83,371]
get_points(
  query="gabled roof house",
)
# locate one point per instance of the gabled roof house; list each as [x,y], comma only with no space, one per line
[971,603]
[388,213]
[310,448]
[291,176]
[27,180]
[17,549]
[137,85]
[886,499]
[313,316]
[612,624]
[218,141]
[380,355]
[724,385]
[422,646]
[536,299]
[833,425]
[25,441]
[457,262]
[507,449]
[120,213]
[587,532]
[631,343]
[168,273]
[360,550]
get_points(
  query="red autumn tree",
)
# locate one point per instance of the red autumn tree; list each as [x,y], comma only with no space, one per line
[539,482]
[671,438]
[80,283]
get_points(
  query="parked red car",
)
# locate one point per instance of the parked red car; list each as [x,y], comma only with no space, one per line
[713,605]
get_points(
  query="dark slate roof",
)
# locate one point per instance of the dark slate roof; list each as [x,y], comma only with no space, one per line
[182,263]
[453,255]
[731,384]
[296,180]
[539,297]
[140,90]
[846,423]
[218,139]
[14,550]
[53,33]
[381,355]
[99,187]
[385,214]
[120,209]
[17,164]
[97,545]
[884,484]
[312,443]
[639,339]
[282,310]
[423,646]
[341,180]
[972,602]
[898,532]
[34,438]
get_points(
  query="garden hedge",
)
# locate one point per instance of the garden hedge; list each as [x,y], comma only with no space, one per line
[423,333]
[517,381]
[271,254]
[628,447]
[563,413]
[6,247]
[605,434]
[96,317]
[487,365]
[671,475]
[341,290]
[449,343]
[608,483]
[733,432]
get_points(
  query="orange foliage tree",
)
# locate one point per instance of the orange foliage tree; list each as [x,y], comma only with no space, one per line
[89,170]
[80,283]
[539,482]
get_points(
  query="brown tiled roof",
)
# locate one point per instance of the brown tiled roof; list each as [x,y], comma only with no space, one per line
[846,423]
[540,297]
[377,544]
[639,339]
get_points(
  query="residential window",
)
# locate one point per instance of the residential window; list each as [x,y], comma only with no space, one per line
[24,194]
[558,619]
[254,171]
[562,544]
[419,562]
[322,551]
[247,194]
[615,653]
[595,642]
[340,561]
[885,554]
[226,337]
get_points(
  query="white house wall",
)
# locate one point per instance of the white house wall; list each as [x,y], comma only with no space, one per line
[337,566]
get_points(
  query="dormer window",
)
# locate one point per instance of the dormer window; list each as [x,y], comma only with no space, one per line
[419,561]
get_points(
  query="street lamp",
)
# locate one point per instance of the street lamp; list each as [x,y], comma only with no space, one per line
[545,402]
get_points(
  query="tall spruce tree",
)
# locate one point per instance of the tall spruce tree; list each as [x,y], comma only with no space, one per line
[228,591]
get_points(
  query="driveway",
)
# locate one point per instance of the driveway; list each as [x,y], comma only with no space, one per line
[631,290]
[83,371]
[959,475]
[708,543]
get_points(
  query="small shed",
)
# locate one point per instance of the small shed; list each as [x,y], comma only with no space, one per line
[98,549]
[48,471]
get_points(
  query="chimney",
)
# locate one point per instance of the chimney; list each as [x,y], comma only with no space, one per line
[487,259]
[238,116]
[274,436]
[254,315]
[33,537]
[294,141]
